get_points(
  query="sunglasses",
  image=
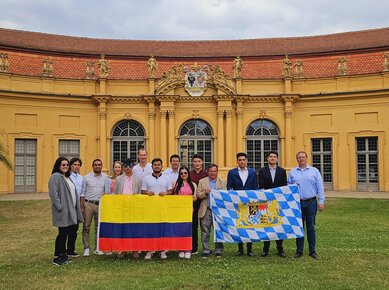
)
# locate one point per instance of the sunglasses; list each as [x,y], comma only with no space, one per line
[64,165]
[127,166]
[183,173]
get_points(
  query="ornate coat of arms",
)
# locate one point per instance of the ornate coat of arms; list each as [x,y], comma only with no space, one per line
[196,80]
[259,214]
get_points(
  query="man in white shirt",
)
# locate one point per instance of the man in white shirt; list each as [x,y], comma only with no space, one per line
[90,199]
[78,180]
[172,172]
[156,184]
[143,168]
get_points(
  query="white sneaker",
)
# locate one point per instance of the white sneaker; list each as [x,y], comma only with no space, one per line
[108,253]
[86,252]
[187,255]
[181,255]
[97,252]
[163,255]
[148,255]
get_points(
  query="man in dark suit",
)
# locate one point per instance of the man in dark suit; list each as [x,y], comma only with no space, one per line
[242,178]
[272,176]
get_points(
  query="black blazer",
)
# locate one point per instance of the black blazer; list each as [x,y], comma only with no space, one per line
[265,181]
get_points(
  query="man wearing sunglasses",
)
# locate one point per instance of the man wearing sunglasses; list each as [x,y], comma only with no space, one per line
[127,183]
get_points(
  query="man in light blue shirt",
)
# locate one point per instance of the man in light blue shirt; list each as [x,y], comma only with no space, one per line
[92,191]
[78,180]
[312,198]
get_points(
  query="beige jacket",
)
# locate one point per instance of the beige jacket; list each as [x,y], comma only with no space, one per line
[119,185]
[203,185]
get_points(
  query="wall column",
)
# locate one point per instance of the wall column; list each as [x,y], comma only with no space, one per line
[102,113]
[167,130]
[228,141]
[151,111]
[239,123]
[162,145]
[220,138]
[171,138]
[289,154]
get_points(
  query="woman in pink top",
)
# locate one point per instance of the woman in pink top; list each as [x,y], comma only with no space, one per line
[184,186]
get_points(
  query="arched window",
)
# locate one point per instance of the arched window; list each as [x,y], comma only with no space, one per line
[196,137]
[127,138]
[262,136]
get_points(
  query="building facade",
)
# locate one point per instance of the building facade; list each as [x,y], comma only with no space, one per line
[94,98]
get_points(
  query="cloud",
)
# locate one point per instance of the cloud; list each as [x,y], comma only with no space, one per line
[193,20]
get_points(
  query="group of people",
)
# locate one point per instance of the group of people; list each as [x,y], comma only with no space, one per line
[75,198]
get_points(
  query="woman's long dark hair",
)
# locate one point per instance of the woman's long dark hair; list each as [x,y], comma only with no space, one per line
[180,182]
[57,165]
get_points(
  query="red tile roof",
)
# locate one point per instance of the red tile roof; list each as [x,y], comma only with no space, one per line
[375,39]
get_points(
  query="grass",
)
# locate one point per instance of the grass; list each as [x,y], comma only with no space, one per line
[352,243]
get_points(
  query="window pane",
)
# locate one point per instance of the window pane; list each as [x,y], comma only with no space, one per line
[372,144]
[361,144]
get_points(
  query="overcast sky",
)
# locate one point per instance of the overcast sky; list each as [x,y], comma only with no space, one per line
[193,20]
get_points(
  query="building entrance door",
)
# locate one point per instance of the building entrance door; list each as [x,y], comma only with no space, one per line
[25,165]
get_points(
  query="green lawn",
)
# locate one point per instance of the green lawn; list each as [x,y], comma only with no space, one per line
[352,243]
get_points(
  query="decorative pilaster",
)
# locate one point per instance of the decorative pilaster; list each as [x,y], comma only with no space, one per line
[171,138]
[102,113]
[289,100]
[151,113]
[220,138]
[166,106]
[162,145]
[239,123]
[229,154]
[151,86]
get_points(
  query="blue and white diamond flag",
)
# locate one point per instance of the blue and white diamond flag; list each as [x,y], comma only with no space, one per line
[257,215]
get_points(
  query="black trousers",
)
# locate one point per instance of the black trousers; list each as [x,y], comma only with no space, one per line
[195,226]
[266,246]
[62,237]
[70,249]
[248,245]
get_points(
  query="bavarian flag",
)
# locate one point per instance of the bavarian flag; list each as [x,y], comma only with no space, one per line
[136,222]
[257,215]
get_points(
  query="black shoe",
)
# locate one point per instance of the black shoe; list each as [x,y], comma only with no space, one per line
[194,252]
[57,261]
[239,253]
[265,254]
[73,255]
[313,255]
[250,254]
[281,254]
[205,255]
[298,255]
[65,259]
[218,255]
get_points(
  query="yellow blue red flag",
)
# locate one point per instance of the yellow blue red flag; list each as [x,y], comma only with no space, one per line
[145,223]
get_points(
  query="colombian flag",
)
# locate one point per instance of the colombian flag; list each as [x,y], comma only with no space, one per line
[145,223]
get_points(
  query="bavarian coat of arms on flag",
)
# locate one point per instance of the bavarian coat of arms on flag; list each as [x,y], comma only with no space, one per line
[257,215]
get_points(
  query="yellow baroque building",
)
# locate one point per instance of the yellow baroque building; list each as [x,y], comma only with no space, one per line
[104,98]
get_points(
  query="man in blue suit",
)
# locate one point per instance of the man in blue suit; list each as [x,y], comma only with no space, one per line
[242,178]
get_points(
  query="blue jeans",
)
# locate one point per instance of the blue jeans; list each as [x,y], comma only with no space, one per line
[308,212]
